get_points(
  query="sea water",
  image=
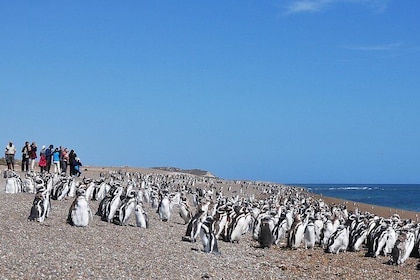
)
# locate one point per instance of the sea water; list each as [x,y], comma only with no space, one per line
[405,197]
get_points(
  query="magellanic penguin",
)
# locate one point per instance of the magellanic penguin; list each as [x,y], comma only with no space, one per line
[114,204]
[79,212]
[207,236]
[265,237]
[41,206]
[338,241]
[296,233]
[403,247]
[194,225]
[185,210]
[164,208]
[142,221]
[127,208]
[309,235]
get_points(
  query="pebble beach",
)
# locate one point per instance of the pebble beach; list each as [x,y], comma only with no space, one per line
[54,249]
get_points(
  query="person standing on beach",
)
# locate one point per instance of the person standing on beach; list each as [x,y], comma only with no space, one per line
[56,160]
[9,153]
[48,154]
[25,157]
[43,160]
[65,160]
[32,155]
[72,162]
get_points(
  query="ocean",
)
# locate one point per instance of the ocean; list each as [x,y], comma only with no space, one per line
[406,197]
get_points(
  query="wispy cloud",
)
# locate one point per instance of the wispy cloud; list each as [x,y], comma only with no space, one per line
[383,47]
[314,6]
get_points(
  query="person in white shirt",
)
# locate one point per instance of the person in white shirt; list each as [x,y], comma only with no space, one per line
[9,153]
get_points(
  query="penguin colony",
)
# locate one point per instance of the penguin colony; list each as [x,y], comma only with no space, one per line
[284,216]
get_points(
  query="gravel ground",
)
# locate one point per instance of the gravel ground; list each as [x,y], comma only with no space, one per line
[55,250]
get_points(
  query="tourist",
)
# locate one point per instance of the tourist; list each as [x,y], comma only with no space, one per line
[32,155]
[10,152]
[25,156]
[48,154]
[56,160]
[64,160]
[77,171]
[43,159]
[72,162]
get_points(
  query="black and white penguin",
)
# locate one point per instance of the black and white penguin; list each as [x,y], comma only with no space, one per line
[403,247]
[237,226]
[114,204]
[338,241]
[142,220]
[79,212]
[13,182]
[207,236]
[265,237]
[309,235]
[296,233]
[41,206]
[164,208]
[185,210]
[280,230]
[127,207]
[193,227]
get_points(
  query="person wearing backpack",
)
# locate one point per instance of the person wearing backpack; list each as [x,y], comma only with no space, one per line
[25,156]
[48,155]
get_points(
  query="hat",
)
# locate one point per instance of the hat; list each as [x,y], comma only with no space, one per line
[43,146]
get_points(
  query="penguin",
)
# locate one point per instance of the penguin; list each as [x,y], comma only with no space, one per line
[296,233]
[207,236]
[142,221]
[63,191]
[37,208]
[358,238]
[72,188]
[41,206]
[309,235]
[221,222]
[265,237]
[338,241]
[90,190]
[114,204]
[327,230]
[126,209]
[185,210]
[237,226]
[403,247]
[386,239]
[164,208]
[13,183]
[194,225]
[79,212]
[280,230]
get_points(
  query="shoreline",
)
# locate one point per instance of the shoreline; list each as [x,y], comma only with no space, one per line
[382,211]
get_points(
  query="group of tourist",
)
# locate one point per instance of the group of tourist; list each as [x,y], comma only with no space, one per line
[60,158]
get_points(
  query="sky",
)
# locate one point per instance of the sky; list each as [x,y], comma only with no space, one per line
[286,91]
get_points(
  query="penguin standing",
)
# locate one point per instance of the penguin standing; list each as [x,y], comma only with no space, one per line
[114,204]
[126,209]
[164,208]
[79,212]
[296,233]
[265,237]
[193,227]
[309,235]
[142,220]
[185,210]
[207,236]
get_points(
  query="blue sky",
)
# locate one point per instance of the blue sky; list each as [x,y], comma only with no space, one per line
[322,91]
